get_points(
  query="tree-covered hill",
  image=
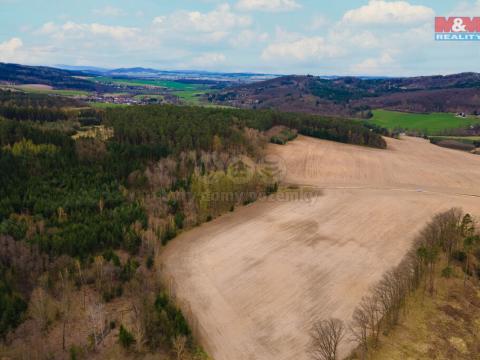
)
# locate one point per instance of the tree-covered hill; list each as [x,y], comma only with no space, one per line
[186,127]
[60,79]
[70,205]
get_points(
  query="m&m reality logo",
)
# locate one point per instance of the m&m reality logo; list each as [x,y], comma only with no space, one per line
[457,29]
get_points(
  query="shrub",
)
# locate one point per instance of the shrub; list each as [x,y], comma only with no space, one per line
[125,338]
[460,256]
[447,272]
[168,235]
[15,228]
[179,219]
[109,255]
[150,262]
[76,352]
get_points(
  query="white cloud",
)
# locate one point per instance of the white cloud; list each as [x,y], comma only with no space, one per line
[385,12]
[319,22]
[466,8]
[209,60]
[365,40]
[15,51]
[344,43]
[48,28]
[353,39]
[374,66]
[174,39]
[298,48]
[248,37]
[9,49]
[219,20]
[109,11]
[268,5]
[195,26]
[116,32]
[73,30]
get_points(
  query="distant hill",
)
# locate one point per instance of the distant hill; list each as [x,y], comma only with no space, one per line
[82,68]
[140,72]
[351,96]
[327,95]
[57,78]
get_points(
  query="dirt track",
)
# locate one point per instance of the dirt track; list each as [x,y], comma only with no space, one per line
[255,279]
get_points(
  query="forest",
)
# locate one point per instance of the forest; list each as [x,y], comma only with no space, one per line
[89,213]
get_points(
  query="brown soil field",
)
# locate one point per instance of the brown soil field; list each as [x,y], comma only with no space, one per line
[35,87]
[253,281]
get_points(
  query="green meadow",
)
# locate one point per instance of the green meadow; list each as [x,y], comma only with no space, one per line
[430,124]
[191,97]
[173,85]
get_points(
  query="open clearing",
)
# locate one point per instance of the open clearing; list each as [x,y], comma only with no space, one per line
[253,281]
[431,124]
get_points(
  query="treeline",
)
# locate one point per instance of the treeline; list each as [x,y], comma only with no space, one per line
[150,124]
[42,108]
[445,236]
[450,236]
[23,99]
[33,113]
[193,175]
[157,131]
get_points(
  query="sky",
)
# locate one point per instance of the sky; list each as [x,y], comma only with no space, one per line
[319,37]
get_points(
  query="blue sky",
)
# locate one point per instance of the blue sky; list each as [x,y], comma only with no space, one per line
[348,37]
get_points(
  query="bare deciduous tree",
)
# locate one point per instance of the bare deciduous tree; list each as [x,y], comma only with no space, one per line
[381,311]
[371,308]
[81,280]
[449,224]
[97,317]
[99,264]
[180,346]
[359,328]
[326,336]
[41,308]
[66,288]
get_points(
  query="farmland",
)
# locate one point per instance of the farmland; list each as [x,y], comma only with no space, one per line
[188,93]
[173,85]
[45,89]
[252,282]
[191,97]
[431,124]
